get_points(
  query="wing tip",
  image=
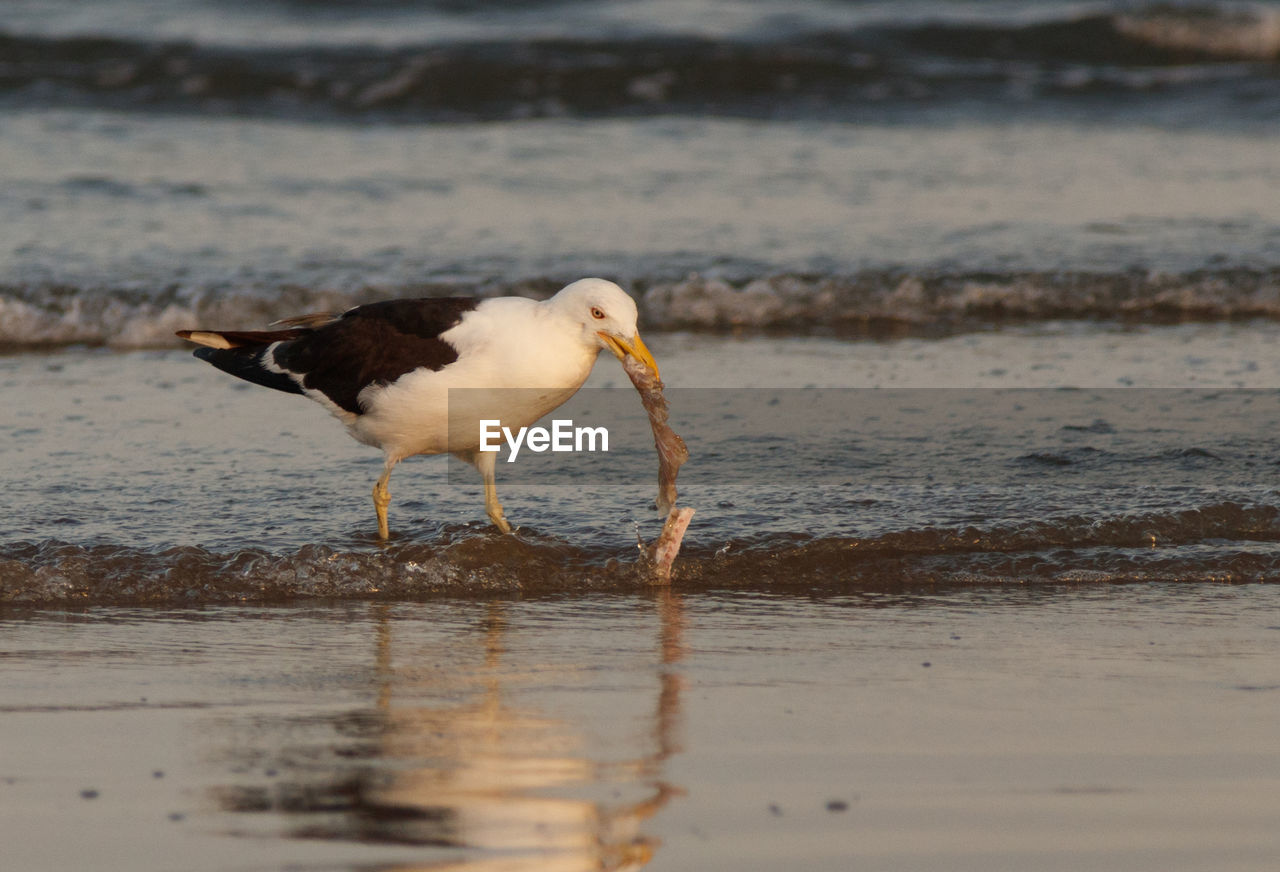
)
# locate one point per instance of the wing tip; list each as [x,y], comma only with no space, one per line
[207,338]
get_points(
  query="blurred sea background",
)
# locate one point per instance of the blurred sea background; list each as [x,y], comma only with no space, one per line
[852,166]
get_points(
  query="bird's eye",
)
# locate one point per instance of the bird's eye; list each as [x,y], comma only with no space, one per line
[597,313]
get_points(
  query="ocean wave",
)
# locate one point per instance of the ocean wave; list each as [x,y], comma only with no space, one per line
[1224,34]
[872,303]
[1156,36]
[1162,47]
[1223,542]
[892,302]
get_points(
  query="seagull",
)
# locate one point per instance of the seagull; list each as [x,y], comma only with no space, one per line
[417,376]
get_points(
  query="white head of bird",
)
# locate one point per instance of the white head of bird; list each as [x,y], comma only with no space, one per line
[607,316]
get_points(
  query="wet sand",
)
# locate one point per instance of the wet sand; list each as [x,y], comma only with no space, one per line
[1119,727]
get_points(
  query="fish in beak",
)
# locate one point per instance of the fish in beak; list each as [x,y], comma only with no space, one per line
[635,347]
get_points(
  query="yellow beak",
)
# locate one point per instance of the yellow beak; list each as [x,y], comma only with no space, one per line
[636,348]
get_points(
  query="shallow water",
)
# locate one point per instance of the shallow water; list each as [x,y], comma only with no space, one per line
[1046,727]
[1056,453]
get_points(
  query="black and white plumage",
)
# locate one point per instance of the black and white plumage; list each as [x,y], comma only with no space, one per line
[386,369]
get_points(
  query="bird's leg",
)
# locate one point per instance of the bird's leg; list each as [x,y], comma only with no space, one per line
[486,462]
[382,499]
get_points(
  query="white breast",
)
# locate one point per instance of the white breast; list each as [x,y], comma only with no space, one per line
[515,364]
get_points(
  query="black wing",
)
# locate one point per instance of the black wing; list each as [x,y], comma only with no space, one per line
[371,344]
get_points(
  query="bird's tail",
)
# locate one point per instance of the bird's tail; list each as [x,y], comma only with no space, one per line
[245,354]
[227,339]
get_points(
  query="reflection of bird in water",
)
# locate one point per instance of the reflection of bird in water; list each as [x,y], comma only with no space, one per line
[500,781]
[492,785]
